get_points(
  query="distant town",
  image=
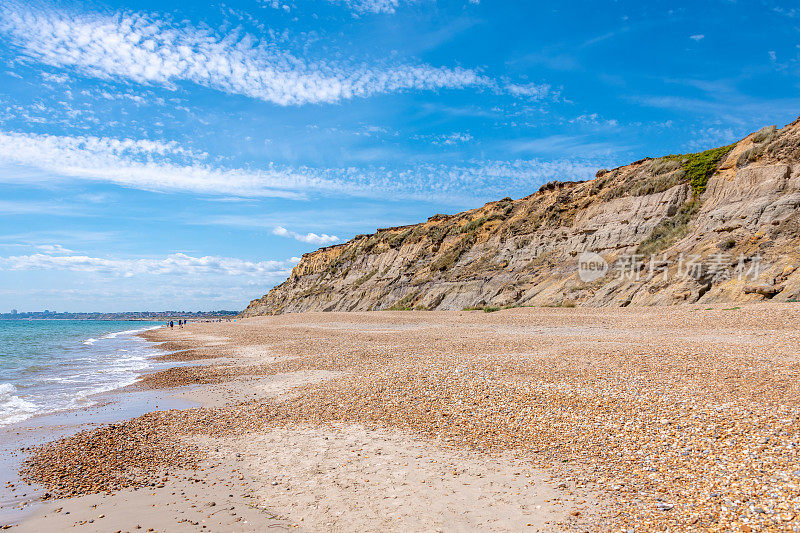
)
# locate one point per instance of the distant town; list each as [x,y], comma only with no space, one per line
[135,315]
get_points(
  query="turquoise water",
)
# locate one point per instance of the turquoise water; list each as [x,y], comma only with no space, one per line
[52,365]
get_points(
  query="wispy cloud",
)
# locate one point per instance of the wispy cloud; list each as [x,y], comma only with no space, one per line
[566,144]
[594,120]
[146,49]
[53,249]
[166,166]
[174,264]
[24,207]
[730,108]
[149,165]
[310,238]
[446,139]
[532,91]
[361,7]
[371,6]
[705,138]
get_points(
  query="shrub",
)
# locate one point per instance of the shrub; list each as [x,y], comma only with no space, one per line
[698,167]
[365,277]
[669,230]
[485,309]
[550,185]
[751,154]
[404,304]
[396,239]
[448,258]
[664,165]
[658,183]
[765,134]
[473,225]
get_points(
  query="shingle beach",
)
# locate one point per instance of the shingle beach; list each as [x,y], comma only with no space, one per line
[651,419]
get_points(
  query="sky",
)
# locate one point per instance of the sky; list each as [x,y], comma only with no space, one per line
[178,155]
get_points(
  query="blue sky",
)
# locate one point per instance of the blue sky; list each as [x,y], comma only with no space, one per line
[159,155]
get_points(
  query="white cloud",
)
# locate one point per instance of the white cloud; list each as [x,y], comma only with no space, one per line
[446,139]
[370,6]
[311,238]
[53,249]
[166,166]
[531,90]
[452,138]
[149,165]
[358,7]
[55,78]
[594,119]
[173,264]
[144,49]
[698,37]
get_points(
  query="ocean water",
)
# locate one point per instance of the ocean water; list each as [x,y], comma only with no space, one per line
[52,365]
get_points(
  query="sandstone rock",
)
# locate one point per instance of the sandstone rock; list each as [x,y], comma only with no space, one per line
[763,289]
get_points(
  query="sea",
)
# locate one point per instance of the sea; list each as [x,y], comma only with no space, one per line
[48,366]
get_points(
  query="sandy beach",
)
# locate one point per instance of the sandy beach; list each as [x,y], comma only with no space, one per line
[531,419]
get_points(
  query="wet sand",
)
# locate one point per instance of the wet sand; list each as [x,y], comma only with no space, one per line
[682,418]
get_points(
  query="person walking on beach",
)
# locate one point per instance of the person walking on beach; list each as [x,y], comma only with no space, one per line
[170,323]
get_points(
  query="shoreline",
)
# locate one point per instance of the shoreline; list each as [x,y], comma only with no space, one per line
[69,368]
[302,417]
[106,407]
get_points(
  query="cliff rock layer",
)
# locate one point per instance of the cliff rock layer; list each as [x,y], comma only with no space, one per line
[717,226]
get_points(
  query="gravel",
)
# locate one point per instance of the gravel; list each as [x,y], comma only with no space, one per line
[684,419]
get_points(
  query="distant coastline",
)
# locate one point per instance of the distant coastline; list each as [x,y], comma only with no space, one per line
[134,315]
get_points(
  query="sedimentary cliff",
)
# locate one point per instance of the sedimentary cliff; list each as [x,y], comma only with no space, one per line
[720,225]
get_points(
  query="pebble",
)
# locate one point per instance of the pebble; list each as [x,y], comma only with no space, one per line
[669,406]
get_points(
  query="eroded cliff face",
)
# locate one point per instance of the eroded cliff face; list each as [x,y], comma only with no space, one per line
[721,225]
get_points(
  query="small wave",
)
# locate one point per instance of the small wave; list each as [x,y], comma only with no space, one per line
[83,398]
[12,407]
[58,380]
[127,332]
[90,341]
[70,378]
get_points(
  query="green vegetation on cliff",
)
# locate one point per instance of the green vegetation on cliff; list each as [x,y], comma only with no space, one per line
[670,229]
[697,167]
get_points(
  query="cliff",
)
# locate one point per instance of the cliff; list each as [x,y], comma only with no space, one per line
[717,226]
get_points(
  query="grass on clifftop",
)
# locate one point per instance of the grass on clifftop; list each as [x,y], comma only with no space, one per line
[698,166]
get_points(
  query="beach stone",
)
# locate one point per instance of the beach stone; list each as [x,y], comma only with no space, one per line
[529,383]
